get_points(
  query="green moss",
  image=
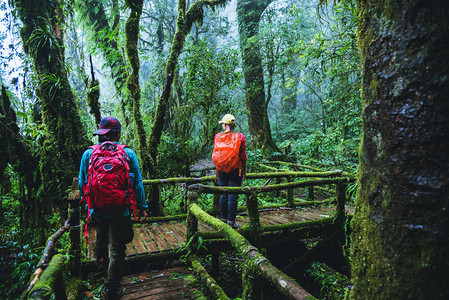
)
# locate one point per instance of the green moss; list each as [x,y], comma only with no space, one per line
[50,282]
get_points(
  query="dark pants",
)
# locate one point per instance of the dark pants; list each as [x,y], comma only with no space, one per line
[228,202]
[116,233]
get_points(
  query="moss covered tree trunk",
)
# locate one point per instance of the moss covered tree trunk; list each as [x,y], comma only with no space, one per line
[132,36]
[186,18]
[249,13]
[401,224]
[42,37]
[14,151]
[94,11]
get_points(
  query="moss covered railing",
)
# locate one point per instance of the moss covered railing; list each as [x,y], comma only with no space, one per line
[287,175]
[256,265]
[48,282]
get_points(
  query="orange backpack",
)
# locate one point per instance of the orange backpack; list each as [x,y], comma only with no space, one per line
[226,151]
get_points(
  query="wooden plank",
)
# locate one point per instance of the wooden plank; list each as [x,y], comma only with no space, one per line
[265,220]
[272,219]
[159,240]
[179,293]
[204,227]
[166,235]
[278,218]
[159,285]
[180,226]
[181,238]
[157,294]
[130,250]
[137,243]
[295,216]
[146,239]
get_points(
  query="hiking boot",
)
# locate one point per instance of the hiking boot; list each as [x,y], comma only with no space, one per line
[234,225]
[113,294]
[102,264]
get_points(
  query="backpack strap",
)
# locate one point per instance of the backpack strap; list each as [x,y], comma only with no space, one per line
[121,148]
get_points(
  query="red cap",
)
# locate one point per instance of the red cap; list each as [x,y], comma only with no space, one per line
[106,124]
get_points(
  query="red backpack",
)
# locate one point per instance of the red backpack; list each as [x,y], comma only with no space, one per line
[226,151]
[108,190]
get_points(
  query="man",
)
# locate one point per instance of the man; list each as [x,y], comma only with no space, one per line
[113,231]
[229,157]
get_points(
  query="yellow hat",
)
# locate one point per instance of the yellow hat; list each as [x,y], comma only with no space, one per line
[227,119]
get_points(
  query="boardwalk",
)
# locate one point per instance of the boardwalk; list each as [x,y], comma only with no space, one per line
[163,236]
[165,284]
[158,237]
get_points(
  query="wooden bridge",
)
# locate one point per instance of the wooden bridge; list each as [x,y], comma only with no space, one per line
[190,236]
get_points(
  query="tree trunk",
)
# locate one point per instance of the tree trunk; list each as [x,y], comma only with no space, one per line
[42,37]
[184,25]
[95,12]
[132,35]
[249,13]
[401,224]
[17,153]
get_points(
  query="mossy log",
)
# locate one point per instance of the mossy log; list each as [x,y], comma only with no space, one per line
[50,284]
[307,227]
[213,289]
[178,180]
[273,168]
[296,165]
[254,258]
[136,262]
[50,248]
[268,188]
[248,176]
[48,254]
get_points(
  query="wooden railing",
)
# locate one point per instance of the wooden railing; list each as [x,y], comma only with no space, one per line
[47,279]
[257,266]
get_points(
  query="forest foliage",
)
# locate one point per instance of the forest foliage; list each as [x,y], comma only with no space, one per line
[311,74]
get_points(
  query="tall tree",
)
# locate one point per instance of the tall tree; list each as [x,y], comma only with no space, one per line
[186,18]
[18,154]
[401,224]
[105,37]
[132,36]
[249,13]
[42,37]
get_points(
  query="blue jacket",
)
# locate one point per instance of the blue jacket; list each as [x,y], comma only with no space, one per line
[134,174]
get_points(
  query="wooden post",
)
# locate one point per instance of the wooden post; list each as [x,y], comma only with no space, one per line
[252,288]
[192,221]
[278,181]
[215,263]
[290,197]
[216,204]
[254,220]
[311,193]
[75,228]
[340,190]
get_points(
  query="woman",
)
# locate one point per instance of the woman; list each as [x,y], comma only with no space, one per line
[229,158]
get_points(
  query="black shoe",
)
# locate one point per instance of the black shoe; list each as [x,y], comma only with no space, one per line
[234,225]
[113,294]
